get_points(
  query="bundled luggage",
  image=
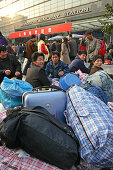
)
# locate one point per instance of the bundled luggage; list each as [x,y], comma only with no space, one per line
[52,98]
[41,135]
[98,92]
[12,91]
[103,80]
[92,122]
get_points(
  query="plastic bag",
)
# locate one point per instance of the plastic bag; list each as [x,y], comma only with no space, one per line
[12,91]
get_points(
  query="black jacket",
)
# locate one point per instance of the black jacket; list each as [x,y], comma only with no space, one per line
[36,76]
[9,63]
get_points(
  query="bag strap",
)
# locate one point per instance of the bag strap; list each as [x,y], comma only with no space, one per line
[80,121]
[43,113]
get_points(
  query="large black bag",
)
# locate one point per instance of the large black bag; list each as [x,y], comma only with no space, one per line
[37,132]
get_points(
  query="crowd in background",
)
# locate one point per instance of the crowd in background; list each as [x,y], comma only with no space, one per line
[58,57]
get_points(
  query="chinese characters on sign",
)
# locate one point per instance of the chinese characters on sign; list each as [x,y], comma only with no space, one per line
[45,30]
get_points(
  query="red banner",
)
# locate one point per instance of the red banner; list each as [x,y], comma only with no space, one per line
[44,30]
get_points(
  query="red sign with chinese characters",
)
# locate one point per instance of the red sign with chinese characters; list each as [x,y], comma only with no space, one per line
[45,30]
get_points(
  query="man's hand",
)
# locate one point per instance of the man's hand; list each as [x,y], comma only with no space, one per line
[61,73]
[17,73]
[7,72]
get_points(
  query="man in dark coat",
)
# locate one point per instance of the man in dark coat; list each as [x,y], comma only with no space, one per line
[78,63]
[36,74]
[30,49]
[9,65]
[73,47]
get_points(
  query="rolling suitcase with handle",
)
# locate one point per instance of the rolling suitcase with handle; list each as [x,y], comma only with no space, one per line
[51,98]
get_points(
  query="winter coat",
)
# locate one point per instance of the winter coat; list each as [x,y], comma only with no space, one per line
[52,72]
[9,63]
[43,48]
[73,48]
[30,48]
[92,47]
[77,64]
[36,76]
[65,53]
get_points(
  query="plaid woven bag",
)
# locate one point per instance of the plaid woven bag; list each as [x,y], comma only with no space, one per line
[92,122]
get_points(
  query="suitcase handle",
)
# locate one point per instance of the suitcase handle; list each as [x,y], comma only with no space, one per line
[48,88]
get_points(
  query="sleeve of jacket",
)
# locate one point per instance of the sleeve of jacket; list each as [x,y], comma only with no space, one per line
[16,63]
[83,68]
[43,49]
[43,78]
[65,68]
[2,72]
[47,69]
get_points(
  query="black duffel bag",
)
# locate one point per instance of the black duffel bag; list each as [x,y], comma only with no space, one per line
[41,135]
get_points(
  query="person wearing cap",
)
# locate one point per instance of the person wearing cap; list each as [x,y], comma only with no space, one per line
[92,45]
[78,63]
[56,68]
[9,66]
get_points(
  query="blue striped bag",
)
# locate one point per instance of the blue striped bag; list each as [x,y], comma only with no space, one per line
[92,122]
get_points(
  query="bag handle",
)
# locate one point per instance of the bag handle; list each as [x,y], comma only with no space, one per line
[80,121]
[48,88]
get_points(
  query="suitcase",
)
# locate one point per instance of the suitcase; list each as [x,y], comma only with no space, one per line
[51,98]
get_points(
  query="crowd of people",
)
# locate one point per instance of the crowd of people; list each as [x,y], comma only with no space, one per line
[46,63]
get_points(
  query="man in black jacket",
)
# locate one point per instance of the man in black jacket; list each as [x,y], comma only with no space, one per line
[9,65]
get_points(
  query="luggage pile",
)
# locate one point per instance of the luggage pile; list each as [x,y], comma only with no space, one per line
[70,129]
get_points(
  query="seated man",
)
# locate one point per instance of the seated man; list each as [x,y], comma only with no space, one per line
[56,68]
[78,63]
[36,74]
[9,65]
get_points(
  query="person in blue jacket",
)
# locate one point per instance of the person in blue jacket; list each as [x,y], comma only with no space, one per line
[56,68]
[78,63]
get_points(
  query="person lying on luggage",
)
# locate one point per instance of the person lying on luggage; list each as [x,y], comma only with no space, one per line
[78,63]
[56,68]
[36,74]
[9,66]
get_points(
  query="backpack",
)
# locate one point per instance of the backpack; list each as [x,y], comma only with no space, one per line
[102,49]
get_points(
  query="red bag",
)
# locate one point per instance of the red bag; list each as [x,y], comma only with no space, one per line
[81,47]
[107,62]
[102,49]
